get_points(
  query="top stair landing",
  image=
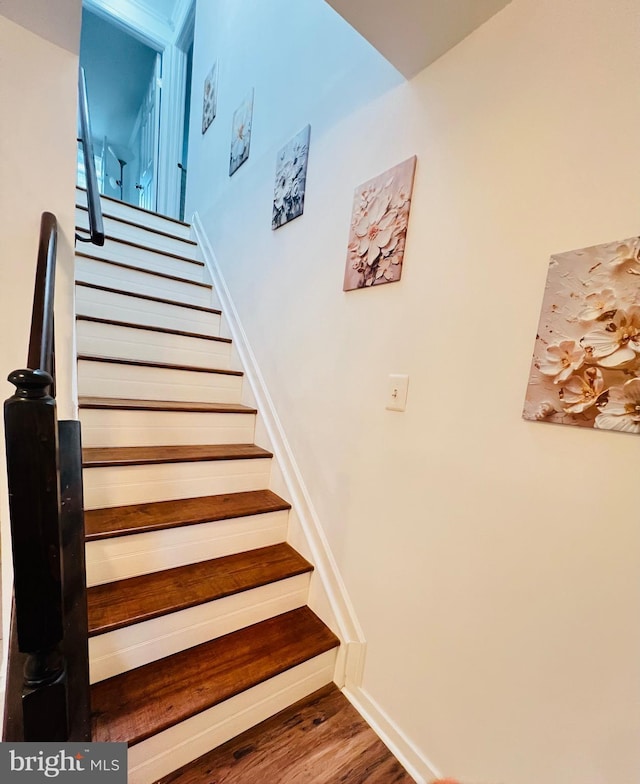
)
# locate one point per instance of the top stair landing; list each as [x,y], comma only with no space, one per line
[123,212]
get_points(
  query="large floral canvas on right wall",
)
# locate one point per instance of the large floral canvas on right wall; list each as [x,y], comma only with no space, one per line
[586,362]
[379,221]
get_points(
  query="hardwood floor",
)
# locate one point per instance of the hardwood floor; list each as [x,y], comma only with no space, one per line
[319,740]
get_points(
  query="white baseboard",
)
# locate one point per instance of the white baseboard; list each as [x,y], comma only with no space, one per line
[351,657]
[414,762]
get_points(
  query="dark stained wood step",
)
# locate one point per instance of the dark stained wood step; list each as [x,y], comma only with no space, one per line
[125,404]
[101,456]
[134,207]
[137,704]
[147,328]
[148,297]
[148,248]
[149,363]
[140,226]
[321,739]
[141,518]
[125,602]
[156,273]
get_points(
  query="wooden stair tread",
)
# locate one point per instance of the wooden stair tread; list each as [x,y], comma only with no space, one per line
[140,226]
[135,207]
[148,328]
[321,739]
[141,518]
[100,456]
[139,703]
[150,363]
[125,602]
[126,404]
[135,268]
[148,297]
[147,248]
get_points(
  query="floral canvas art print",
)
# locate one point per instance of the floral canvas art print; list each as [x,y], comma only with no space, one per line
[586,362]
[379,223]
[241,134]
[210,97]
[291,176]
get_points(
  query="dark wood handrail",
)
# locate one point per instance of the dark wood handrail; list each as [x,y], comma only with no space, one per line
[41,338]
[45,505]
[96,227]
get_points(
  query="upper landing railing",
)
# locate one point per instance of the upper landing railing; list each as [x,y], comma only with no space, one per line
[96,228]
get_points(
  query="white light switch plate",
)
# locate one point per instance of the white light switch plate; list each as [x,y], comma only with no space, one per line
[397,392]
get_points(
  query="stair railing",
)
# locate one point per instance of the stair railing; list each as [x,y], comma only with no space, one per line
[47,695]
[96,228]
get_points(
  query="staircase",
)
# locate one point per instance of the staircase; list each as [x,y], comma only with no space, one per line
[198,619]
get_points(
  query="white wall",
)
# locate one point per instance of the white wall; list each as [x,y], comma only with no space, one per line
[493,562]
[38,94]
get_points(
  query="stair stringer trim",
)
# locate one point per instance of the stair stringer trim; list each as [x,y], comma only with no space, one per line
[328,596]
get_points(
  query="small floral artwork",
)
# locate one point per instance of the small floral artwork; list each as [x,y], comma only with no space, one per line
[291,176]
[379,223]
[210,97]
[241,134]
[586,362]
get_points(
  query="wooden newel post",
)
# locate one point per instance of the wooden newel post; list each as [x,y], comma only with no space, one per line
[34,500]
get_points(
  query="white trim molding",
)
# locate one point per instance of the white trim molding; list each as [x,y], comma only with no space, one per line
[183,9]
[351,657]
[138,20]
[403,749]
[172,105]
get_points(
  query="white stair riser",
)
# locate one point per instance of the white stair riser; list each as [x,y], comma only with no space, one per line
[126,211]
[125,649]
[140,235]
[145,259]
[129,556]
[168,750]
[106,304]
[137,382]
[140,282]
[110,340]
[112,427]
[140,484]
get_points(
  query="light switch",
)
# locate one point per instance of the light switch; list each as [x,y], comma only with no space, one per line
[397,392]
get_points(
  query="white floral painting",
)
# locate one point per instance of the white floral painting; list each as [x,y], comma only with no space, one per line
[586,362]
[241,134]
[291,176]
[379,222]
[210,97]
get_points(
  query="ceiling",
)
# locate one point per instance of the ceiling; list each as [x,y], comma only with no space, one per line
[411,34]
[58,22]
